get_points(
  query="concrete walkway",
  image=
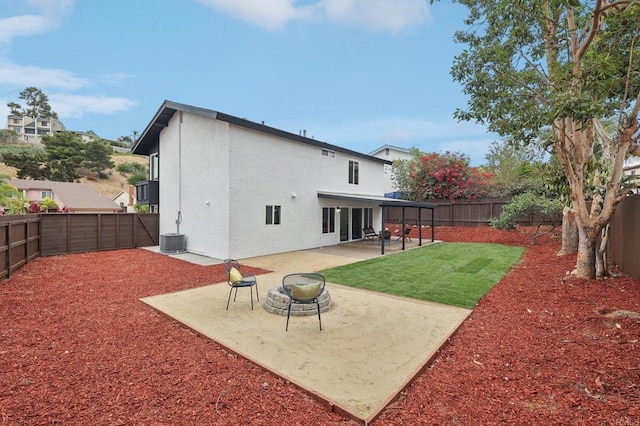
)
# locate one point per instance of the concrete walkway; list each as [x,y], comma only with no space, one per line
[370,348]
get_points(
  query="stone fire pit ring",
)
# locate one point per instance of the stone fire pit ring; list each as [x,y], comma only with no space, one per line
[277,302]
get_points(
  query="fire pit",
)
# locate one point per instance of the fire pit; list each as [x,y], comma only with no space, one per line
[277,302]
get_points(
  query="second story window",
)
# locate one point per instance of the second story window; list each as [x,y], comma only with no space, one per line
[153,167]
[45,194]
[353,172]
[273,215]
[44,123]
[327,153]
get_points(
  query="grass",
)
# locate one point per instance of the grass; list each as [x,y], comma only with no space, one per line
[457,274]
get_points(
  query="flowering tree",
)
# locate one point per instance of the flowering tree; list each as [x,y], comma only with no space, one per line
[445,176]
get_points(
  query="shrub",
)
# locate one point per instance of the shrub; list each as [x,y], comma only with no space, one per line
[541,208]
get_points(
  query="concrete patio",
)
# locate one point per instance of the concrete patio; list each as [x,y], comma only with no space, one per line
[372,345]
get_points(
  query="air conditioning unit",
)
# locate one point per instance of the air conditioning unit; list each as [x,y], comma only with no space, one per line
[172,243]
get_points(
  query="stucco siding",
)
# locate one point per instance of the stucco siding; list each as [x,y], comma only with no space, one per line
[194,179]
[266,171]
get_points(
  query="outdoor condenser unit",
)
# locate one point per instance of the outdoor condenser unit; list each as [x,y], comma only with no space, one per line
[172,243]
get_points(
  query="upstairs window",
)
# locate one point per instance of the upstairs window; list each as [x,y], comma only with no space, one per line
[45,194]
[273,215]
[327,153]
[154,167]
[353,172]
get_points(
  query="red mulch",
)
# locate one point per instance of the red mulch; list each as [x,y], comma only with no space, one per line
[78,347]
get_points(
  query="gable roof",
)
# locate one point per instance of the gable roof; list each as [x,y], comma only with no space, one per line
[75,196]
[151,134]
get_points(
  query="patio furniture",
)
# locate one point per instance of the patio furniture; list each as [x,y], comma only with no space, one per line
[406,235]
[303,289]
[370,234]
[237,280]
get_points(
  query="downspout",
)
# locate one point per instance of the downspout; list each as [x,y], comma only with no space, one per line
[179,219]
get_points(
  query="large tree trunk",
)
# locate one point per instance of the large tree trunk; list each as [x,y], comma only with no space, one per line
[586,262]
[569,232]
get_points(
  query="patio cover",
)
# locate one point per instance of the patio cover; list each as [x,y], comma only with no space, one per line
[383,202]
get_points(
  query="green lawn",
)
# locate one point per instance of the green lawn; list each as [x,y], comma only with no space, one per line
[456,274]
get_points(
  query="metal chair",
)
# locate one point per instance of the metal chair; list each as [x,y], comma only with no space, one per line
[303,289]
[237,280]
[370,234]
[405,235]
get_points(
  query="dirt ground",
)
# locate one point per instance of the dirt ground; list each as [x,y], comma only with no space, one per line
[78,347]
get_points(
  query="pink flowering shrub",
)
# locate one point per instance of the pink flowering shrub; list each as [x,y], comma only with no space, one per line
[448,176]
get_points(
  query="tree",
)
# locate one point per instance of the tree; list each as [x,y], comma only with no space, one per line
[65,154]
[400,172]
[97,157]
[558,64]
[444,176]
[29,164]
[516,169]
[541,210]
[36,104]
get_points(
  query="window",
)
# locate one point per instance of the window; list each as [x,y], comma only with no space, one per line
[154,167]
[386,152]
[368,217]
[45,194]
[328,220]
[327,153]
[44,123]
[353,172]
[16,121]
[273,215]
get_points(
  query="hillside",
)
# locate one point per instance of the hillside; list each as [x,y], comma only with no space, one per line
[107,187]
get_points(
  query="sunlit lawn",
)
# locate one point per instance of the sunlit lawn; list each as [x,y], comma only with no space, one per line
[456,274]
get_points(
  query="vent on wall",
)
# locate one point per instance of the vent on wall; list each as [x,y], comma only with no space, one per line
[172,243]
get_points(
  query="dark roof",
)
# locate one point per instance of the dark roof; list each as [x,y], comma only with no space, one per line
[150,136]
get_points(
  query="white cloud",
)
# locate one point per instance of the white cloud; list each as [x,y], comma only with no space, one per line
[386,15]
[115,78]
[48,16]
[23,76]
[76,106]
[272,14]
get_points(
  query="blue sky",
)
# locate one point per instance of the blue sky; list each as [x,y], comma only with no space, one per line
[354,73]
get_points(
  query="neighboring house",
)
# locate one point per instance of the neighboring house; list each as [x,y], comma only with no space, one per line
[126,199]
[31,129]
[632,168]
[390,153]
[70,196]
[237,189]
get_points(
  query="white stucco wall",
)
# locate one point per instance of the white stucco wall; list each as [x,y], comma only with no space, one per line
[191,177]
[239,172]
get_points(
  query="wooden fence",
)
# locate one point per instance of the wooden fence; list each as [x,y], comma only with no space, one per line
[461,213]
[19,242]
[23,238]
[624,237]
